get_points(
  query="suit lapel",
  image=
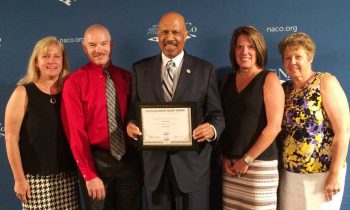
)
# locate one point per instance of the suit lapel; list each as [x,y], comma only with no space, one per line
[184,78]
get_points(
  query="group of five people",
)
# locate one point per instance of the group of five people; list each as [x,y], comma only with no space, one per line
[55,122]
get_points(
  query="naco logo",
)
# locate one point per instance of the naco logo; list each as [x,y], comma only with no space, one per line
[67,2]
[282,75]
[152,32]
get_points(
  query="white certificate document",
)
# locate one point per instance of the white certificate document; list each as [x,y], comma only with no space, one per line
[166,126]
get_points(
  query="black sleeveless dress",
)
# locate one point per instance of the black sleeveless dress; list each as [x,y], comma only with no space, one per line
[245,118]
[46,158]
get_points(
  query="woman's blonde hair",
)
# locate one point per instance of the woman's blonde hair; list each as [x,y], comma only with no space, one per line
[297,40]
[33,73]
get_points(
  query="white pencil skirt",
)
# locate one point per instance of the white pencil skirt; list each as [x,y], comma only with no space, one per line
[305,191]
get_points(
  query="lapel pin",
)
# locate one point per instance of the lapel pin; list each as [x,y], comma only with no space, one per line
[188,71]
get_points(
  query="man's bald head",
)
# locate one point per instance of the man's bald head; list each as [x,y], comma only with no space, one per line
[97,44]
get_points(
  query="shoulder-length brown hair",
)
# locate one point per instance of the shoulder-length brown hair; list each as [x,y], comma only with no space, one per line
[258,42]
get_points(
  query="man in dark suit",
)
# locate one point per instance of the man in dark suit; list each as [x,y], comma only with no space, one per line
[178,180]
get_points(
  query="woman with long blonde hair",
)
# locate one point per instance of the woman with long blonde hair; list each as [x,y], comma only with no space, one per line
[41,161]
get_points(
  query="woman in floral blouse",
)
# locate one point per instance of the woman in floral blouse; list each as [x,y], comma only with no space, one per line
[315,131]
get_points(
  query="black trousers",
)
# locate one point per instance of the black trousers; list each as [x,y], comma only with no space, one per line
[121,179]
[168,195]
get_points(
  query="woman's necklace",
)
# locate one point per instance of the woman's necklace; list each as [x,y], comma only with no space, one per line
[52,99]
[52,96]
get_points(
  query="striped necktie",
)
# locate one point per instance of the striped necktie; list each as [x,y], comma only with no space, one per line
[116,134]
[168,80]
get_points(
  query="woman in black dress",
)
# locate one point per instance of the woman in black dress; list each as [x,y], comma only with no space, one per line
[41,161]
[253,101]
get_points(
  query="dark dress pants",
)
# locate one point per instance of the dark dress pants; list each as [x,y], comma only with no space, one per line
[121,179]
[168,195]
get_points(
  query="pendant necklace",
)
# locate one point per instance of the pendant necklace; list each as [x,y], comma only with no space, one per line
[47,91]
[52,99]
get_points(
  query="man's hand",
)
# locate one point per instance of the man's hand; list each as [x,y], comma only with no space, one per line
[133,131]
[203,132]
[96,189]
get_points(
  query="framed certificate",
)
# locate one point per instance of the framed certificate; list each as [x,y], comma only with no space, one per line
[167,125]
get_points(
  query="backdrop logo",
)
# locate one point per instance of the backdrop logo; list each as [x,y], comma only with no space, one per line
[2,131]
[282,75]
[152,32]
[67,2]
[0,41]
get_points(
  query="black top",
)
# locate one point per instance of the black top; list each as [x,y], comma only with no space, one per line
[245,117]
[43,145]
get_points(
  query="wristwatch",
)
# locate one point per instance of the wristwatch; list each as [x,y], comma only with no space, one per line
[247,159]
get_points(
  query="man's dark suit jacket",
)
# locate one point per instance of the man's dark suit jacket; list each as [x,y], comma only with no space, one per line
[197,83]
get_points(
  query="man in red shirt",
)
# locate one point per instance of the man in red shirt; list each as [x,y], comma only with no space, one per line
[110,183]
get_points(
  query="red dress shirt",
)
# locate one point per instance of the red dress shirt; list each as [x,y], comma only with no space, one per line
[84,111]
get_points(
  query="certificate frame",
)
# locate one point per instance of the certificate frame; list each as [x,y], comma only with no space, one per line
[167,125]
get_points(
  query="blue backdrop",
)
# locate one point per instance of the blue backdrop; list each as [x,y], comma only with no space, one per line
[133,24]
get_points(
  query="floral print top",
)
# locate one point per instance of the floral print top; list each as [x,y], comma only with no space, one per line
[307,134]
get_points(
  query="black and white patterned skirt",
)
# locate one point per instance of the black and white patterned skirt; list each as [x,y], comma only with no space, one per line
[56,191]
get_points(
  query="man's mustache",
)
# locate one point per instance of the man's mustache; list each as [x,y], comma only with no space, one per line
[170,42]
[98,54]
